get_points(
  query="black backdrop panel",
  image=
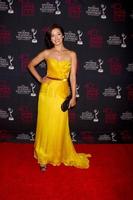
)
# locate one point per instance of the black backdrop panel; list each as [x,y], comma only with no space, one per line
[101,34]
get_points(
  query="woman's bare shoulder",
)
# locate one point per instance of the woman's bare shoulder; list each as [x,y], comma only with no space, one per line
[72,54]
[46,53]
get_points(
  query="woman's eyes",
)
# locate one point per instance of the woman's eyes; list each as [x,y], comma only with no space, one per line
[55,35]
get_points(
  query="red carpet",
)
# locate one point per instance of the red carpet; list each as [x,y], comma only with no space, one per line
[110,176]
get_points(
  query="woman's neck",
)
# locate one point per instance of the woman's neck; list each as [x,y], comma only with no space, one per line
[59,48]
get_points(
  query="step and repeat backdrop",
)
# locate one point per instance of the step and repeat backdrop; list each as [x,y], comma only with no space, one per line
[101,33]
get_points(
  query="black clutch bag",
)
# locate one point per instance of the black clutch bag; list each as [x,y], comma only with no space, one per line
[65,104]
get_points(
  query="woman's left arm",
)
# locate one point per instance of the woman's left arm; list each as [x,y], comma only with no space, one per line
[73,79]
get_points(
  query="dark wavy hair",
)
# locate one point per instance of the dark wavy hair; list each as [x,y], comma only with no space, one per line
[47,38]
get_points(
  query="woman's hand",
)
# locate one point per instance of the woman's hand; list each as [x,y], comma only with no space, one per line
[44,79]
[72,102]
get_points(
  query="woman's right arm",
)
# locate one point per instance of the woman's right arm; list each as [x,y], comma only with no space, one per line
[35,61]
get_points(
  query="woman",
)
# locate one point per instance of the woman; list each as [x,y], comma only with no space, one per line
[53,143]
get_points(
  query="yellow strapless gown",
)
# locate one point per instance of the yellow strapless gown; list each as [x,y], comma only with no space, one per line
[53,144]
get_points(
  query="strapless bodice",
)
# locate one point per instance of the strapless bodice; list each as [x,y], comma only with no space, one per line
[59,69]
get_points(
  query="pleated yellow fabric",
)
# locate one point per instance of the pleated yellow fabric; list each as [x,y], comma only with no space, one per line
[53,144]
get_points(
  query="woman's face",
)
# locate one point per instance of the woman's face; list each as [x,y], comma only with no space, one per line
[56,36]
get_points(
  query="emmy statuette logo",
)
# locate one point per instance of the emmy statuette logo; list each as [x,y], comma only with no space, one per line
[10,118]
[103,7]
[118,96]
[123,45]
[100,63]
[32,136]
[113,135]
[95,116]
[34,32]
[11,67]
[73,135]
[79,42]
[10,10]
[77,93]
[33,94]
[57,12]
